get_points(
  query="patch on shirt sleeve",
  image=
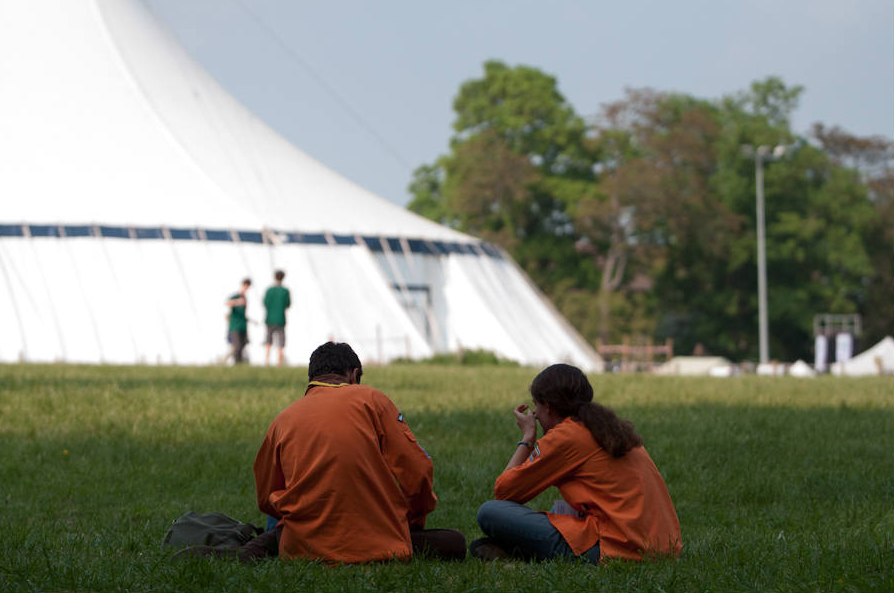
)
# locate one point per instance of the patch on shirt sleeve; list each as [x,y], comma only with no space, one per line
[535,453]
[400,417]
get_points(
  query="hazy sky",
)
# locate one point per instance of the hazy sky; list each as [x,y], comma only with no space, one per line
[367,87]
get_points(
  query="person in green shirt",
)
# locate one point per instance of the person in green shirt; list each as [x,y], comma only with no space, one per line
[238,321]
[276,300]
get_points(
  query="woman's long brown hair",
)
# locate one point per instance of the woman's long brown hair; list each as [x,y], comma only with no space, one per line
[568,392]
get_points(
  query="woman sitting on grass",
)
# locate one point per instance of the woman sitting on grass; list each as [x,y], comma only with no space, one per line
[615,505]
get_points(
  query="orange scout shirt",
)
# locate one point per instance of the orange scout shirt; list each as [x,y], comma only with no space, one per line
[344,474]
[625,504]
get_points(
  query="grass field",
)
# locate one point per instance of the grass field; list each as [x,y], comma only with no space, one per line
[780,484]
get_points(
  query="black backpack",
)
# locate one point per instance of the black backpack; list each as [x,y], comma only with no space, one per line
[211,529]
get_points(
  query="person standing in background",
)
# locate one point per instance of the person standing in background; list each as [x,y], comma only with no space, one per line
[276,300]
[238,321]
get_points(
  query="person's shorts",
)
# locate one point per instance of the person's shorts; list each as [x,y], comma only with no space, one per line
[276,335]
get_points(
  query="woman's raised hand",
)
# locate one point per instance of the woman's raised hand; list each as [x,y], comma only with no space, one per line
[526,423]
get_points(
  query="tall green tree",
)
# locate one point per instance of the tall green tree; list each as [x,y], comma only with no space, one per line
[697,191]
[873,160]
[516,143]
[644,221]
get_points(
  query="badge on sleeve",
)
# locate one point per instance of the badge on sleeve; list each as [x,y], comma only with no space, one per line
[535,453]
[400,417]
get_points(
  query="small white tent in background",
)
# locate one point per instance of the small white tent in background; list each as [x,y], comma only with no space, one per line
[714,366]
[136,194]
[801,369]
[878,360]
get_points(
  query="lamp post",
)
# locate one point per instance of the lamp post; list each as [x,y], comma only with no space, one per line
[760,154]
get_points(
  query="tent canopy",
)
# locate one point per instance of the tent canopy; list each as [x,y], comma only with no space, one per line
[139,193]
[878,360]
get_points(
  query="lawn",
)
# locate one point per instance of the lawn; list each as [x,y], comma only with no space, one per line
[780,484]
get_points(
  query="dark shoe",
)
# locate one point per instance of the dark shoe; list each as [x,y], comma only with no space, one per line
[485,549]
[257,548]
[439,544]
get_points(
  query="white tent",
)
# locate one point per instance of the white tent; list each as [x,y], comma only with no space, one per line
[715,366]
[135,194]
[878,360]
[801,369]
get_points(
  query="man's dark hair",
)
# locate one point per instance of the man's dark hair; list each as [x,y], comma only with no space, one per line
[279,275]
[246,281]
[333,358]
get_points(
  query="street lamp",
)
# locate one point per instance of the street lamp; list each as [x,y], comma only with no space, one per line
[763,153]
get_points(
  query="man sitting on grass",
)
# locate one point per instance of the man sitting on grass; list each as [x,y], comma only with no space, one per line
[343,474]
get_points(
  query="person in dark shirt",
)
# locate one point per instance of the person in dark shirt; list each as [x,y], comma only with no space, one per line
[276,300]
[239,321]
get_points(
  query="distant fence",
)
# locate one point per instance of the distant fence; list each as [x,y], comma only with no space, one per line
[635,356]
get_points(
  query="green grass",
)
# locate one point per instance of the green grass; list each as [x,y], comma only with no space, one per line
[780,484]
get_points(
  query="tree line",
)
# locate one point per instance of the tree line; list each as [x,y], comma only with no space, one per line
[640,220]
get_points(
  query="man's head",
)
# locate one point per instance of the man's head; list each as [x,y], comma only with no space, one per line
[279,275]
[246,282]
[335,359]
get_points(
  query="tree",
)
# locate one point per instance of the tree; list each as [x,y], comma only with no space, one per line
[644,222]
[488,189]
[517,142]
[428,200]
[873,160]
[524,107]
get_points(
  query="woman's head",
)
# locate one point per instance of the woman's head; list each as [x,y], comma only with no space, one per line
[563,388]
[561,391]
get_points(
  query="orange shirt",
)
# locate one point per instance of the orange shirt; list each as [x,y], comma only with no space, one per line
[624,502]
[343,472]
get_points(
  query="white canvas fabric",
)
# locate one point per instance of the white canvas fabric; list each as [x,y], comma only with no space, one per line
[136,194]
[801,369]
[878,360]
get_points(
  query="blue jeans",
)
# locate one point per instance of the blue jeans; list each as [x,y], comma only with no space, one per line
[527,533]
[271,523]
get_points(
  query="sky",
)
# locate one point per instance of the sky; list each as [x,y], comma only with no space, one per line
[367,87]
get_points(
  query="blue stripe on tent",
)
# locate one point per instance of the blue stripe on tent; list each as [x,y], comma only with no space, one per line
[78,231]
[314,238]
[43,230]
[419,246]
[250,236]
[373,243]
[184,234]
[11,230]
[218,235]
[117,232]
[307,238]
[149,233]
[446,247]
[491,250]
